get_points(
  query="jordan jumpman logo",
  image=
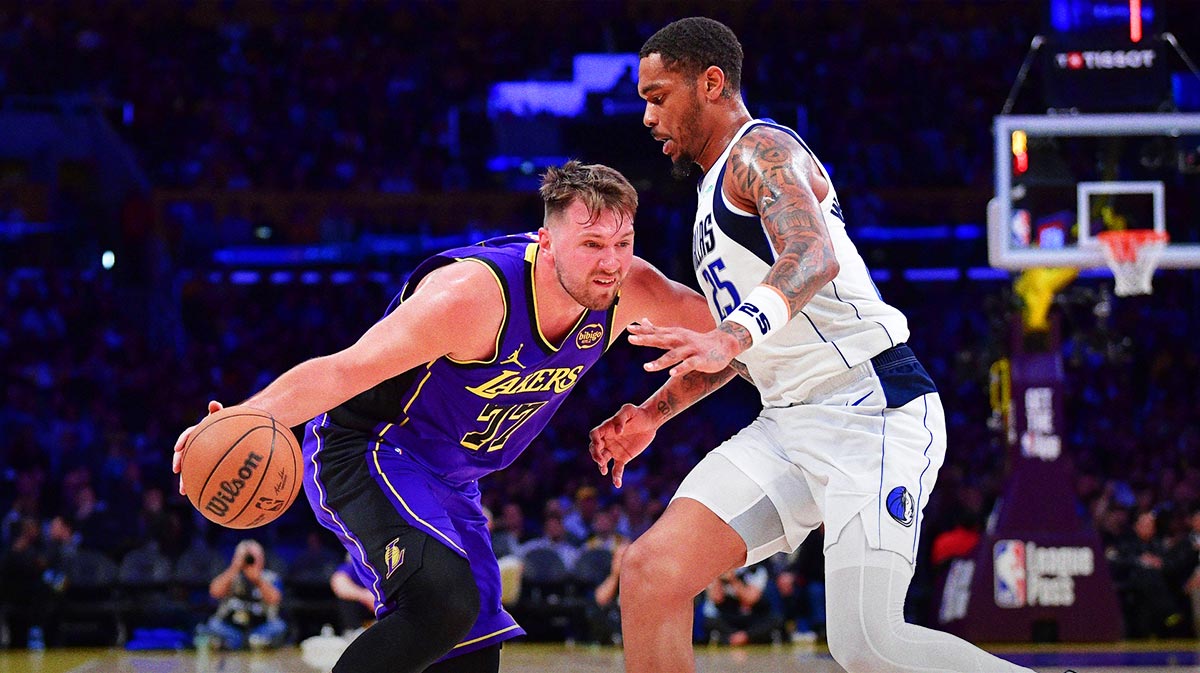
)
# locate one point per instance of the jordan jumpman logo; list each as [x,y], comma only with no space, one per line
[513,359]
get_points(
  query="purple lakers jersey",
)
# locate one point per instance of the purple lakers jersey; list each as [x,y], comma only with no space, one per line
[463,420]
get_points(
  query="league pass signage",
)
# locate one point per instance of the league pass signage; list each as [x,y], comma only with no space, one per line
[1027,575]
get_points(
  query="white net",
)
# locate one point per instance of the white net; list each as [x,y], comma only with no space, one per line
[1133,256]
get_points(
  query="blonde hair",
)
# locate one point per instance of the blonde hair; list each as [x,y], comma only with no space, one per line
[594,185]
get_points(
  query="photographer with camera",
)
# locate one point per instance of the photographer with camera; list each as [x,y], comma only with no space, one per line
[735,611]
[250,596]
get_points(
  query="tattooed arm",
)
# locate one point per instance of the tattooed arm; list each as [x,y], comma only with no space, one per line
[623,437]
[772,175]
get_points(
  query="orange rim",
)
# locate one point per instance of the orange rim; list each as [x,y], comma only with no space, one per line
[1124,245]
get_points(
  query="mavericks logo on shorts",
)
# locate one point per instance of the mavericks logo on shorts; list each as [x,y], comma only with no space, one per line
[901,506]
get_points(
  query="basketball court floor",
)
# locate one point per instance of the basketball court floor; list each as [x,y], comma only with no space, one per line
[1165,657]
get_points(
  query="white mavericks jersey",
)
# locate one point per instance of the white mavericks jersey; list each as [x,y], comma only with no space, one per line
[844,325]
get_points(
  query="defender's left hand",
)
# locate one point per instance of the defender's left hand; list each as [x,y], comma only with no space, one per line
[686,350]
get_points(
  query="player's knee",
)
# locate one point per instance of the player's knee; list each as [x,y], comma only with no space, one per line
[646,568]
[858,645]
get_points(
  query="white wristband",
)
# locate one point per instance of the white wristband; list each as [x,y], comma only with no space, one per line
[763,312]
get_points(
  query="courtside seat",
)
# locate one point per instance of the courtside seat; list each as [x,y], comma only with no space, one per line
[91,611]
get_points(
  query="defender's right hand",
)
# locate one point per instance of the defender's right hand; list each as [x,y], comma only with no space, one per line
[177,458]
[620,439]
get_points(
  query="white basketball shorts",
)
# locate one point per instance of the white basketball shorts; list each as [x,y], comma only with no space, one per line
[867,443]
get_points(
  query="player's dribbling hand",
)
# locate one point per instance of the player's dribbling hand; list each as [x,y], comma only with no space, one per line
[177,458]
[620,439]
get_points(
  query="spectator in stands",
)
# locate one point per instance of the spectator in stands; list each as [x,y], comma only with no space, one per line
[604,614]
[508,530]
[735,612]
[250,595]
[356,603]
[554,538]
[604,532]
[801,587]
[21,586]
[1192,586]
[1141,568]
[634,515]
[579,518]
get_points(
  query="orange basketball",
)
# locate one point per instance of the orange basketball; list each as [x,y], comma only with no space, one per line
[241,468]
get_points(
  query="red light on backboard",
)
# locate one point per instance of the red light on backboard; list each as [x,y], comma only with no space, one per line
[1135,20]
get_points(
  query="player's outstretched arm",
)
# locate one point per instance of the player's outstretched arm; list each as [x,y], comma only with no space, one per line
[651,298]
[628,432]
[425,327]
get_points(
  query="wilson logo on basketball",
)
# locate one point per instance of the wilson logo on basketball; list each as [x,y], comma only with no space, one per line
[589,336]
[231,488]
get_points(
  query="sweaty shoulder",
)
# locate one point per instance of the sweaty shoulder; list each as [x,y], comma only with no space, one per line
[767,162]
[471,291]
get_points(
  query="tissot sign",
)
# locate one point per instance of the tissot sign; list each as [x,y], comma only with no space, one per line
[1100,76]
[1135,59]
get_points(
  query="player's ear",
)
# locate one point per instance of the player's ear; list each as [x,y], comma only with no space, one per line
[544,238]
[714,82]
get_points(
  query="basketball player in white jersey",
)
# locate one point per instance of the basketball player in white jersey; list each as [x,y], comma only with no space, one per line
[852,432]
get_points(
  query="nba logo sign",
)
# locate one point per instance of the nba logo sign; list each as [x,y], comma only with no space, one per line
[1008,562]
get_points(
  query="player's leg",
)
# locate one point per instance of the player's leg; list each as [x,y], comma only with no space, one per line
[865,590]
[435,607]
[661,573]
[721,518]
[425,592]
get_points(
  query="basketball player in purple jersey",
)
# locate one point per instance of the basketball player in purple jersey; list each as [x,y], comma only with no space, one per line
[852,432]
[466,367]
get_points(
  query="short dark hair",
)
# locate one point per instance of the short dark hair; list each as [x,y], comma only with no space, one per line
[691,45]
[595,185]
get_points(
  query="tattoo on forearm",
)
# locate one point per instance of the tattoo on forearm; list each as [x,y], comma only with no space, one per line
[691,387]
[769,170]
[737,332]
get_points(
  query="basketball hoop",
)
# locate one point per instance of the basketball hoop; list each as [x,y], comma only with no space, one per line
[1132,255]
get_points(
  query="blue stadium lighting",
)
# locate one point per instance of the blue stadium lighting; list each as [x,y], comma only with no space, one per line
[931,275]
[245,277]
[108,260]
[987,273]
[963,232]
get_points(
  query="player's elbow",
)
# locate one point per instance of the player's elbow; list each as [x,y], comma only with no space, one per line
[830,269]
